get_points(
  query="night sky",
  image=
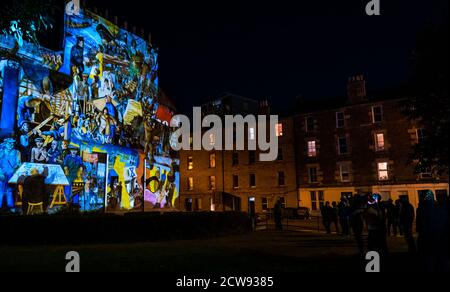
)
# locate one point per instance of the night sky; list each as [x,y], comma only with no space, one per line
[275,51]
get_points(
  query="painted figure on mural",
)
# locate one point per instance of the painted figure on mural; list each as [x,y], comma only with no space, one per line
[54,154]
[77,55]
[24,142]
[106,123]
[39,153]
[72,167]
[9,162]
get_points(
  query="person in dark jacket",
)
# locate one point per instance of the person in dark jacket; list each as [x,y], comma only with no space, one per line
[343,210]
[335,216]
[34,189]
[406,219]
[277,214]
[326,211]
[357,221]
[433,238]
[375,218]
[391,215]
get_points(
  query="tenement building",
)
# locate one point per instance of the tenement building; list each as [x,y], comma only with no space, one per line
[360,145]
[237,180]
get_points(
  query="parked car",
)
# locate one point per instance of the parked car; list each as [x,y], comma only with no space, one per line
[303,213]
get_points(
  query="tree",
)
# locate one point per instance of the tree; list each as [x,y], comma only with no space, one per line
[428,101]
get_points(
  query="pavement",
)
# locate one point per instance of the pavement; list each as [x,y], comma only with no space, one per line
[264,251]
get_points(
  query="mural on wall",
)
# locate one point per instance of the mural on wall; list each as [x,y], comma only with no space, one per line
[95,110]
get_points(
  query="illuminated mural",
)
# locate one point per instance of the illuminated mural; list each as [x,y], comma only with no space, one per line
[95,110]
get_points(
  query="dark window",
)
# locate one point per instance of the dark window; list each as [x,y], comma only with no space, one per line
[235,159]
[281,178]
[252,180]
[309,124]
[313,200]
[235,181]
[265,203]
[280,154]
[340,120]
[321,199]
[251,157]
[283,202]
[377,114]
[421,135]
[312,173]
[343,147]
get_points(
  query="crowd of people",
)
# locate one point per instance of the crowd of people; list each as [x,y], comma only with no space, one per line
[382,219]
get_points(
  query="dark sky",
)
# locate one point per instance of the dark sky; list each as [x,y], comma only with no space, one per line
[274,50]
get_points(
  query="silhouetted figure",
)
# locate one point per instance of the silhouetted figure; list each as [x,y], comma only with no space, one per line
[391,218]
[326,211]
[433,239]
[277,214]
[34,189]
[357,221]
[406,219]
[334,216]
[375,218]
[343,213]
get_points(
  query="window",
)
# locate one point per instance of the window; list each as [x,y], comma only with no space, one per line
[340,120]
[312,152]
[190,183]
[403,194]
[190,163]
[251,157]
[312,174]
[212,160]
[379,142]
[383,171]
[425,172]
[283,202]
[309,124]
[385,195]
[252,180]
[317,200]
[235,159]
[280,154]
[212,182]
[377,114]
[343,147]
[313,200]
[212,139]
[281,178]
[321,199]
[264,204]
[344,170]
[235,181]
[279,130]
[251,134]
[420,134]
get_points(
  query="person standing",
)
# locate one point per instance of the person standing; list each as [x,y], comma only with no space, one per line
[277,214]
[72,166]
[375,218]
[433,238]
[9,163]
[406,220]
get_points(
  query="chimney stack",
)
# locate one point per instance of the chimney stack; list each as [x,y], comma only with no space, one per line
[356,89]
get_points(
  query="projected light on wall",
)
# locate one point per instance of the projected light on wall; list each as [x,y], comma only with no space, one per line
[94,109]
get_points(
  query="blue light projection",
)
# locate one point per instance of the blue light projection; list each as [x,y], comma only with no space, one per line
[93,109]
